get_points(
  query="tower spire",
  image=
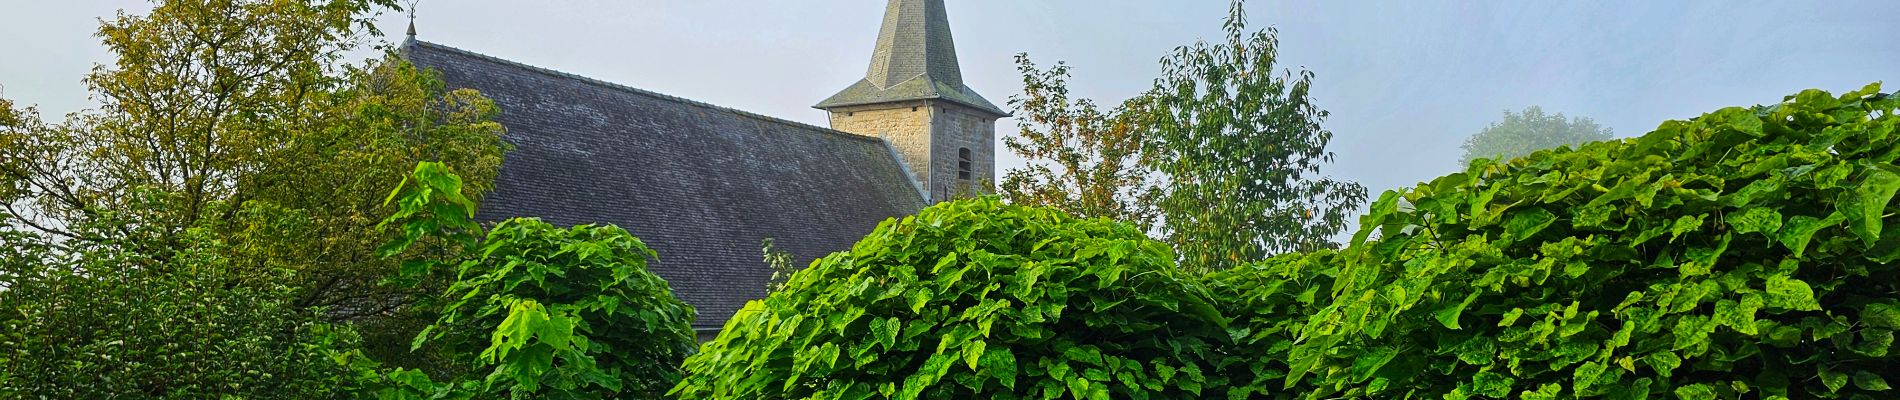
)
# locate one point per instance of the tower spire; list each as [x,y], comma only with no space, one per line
[915,59]
[412,19]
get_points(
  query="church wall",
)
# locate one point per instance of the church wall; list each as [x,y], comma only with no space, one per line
[905,125]
[960,127]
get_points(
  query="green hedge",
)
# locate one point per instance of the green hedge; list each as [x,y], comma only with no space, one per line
[1748,253]
[975,299]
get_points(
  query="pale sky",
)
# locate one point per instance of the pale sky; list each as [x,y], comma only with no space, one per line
[1406,82]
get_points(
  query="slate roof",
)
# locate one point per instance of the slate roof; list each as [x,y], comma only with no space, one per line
[700,184]
[915,59]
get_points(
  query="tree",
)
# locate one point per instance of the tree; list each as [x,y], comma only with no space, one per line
[1221,158]
[247,103]
[1521,133]
[1240,145]
[1079,158]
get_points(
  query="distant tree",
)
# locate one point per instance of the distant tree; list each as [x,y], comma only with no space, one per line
[1221,158]
[1240,145]
[1079,158]
[1522,133]
[242,121]
[247,104]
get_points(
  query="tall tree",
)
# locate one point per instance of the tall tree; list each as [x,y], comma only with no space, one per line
[1080,158]
[1522,133]
[1241,144]
[1221,158]
[240,117]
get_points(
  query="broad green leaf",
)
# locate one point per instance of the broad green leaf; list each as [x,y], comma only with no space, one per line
[1527,223]
[1695,392]
[1866,204]
[1789,293]
[1448,316]
[1801,228]
[1870,381]
[1757,220]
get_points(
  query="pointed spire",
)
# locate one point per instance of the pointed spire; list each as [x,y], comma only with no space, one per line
[915,58]
[915,41]
[412,19]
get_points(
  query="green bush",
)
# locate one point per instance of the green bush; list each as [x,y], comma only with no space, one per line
[1748,253]
[1267,301]
[535,311]
[974,299]
[105,323]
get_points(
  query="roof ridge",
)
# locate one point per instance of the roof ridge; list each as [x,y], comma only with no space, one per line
[634,90]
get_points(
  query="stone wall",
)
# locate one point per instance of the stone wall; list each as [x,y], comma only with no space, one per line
[905,125]
[959,127]
[928,134]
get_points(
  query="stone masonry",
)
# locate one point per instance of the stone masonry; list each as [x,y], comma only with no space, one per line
[913,97]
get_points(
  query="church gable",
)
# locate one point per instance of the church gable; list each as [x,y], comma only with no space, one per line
[701,184]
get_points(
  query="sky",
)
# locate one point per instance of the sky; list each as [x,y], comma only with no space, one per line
[1405,82]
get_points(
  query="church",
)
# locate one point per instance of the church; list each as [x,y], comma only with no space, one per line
[704,185]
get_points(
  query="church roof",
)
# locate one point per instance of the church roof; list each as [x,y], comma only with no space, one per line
[700,184]
[915,59]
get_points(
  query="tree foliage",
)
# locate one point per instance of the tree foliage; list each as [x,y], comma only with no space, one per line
[538,311]
[1748,253]
[1222,155]
[247,103]
[1079,158]
[974,299]
[1521,133]
[1241,145]
[106,323]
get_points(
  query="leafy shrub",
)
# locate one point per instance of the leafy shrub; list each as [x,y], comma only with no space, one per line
[1748,253]
[1267,300]
[974,299]
[105,323]
[543,312]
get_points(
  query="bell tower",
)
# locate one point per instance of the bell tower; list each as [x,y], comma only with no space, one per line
[914,99]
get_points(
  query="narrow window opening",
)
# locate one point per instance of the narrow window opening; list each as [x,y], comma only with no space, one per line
[850,114]
[913,109]
[965,166]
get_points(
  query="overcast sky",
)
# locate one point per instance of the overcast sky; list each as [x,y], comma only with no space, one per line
[1405,81]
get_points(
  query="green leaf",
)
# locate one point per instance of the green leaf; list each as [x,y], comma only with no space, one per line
[1739,315]
[1867,203]
[1366,364]
[1882,315]
[1664,362]
[1586,375]
[1000,363]
[1801,228]
[973,352]
[1833,380]
[1527,223]
[1791,294]
[1448,316]
[918,298]
[884,331]
[1869,381]
[1695,392]
[1762,220]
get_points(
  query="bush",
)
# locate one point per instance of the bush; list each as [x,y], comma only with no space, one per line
[974,299]
[536,311]
[1748,253]
[103,323]
[1267,301]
